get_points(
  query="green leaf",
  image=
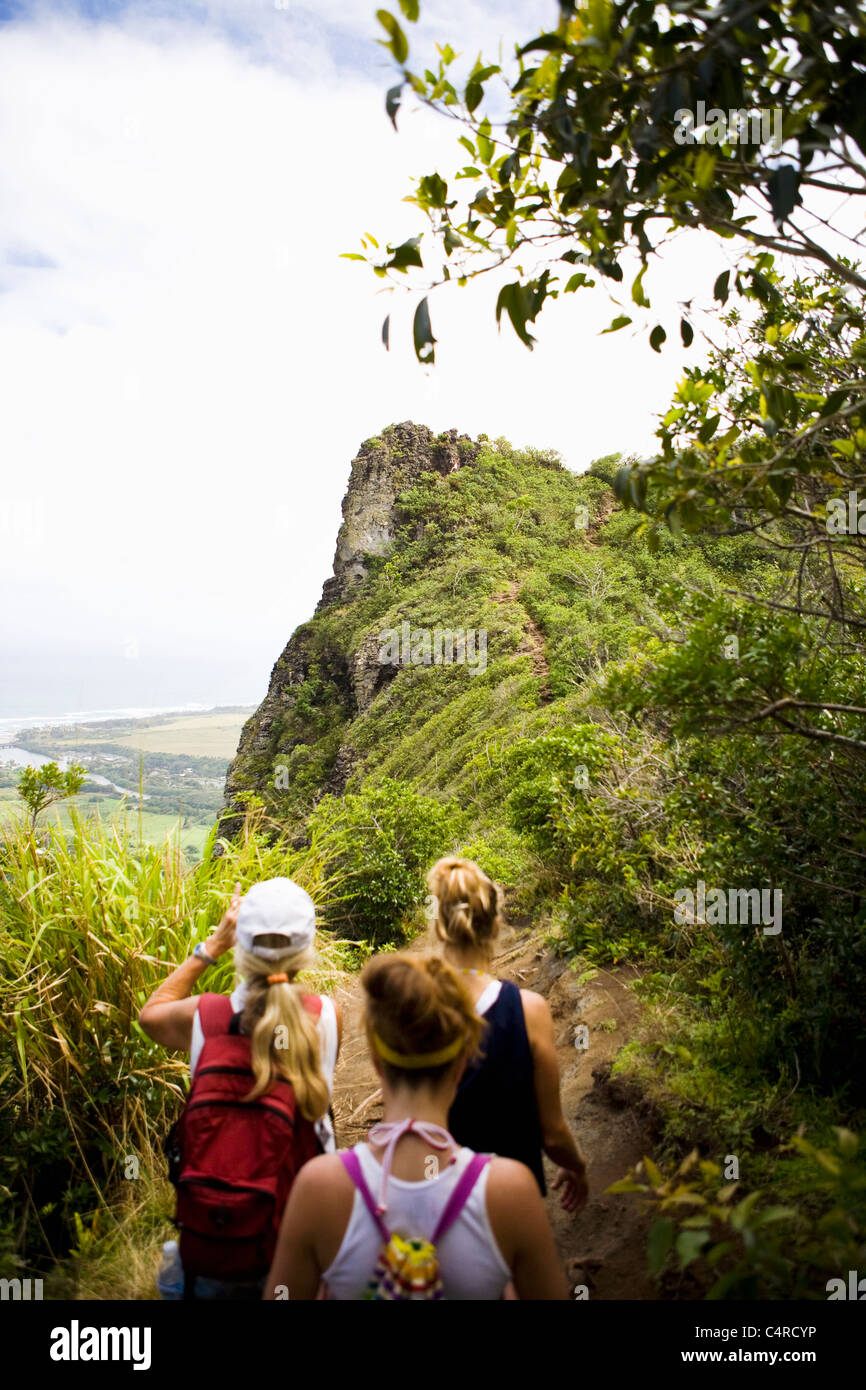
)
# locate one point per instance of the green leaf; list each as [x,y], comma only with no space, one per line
[392,103]
[773,1214]
[783,188]
[654,1174]
[473,94]
[690,1244]
[621,484]
[659,1243]
[411,9]
[386,332]
[620,321]
[423,333]
[657,337]
[406,254]
[486,147]
[742,1211]
[848,1142]
[509,168]
[834,402]
[433,190]
[705,166]
[687,333]
[626,1185]
[398,43]
[545,43]
[637,292]
[720,288]
[782,485]
[522,304]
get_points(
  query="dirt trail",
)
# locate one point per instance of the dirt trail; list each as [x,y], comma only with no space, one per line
[533,643]
[604,1247]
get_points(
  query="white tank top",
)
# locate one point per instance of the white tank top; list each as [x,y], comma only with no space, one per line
[470,1261]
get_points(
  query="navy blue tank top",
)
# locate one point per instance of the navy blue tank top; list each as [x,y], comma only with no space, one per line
[495,1110]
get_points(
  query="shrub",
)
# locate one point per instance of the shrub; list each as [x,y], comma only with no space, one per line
[382,839]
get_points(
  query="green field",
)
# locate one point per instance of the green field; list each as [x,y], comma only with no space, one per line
[179,761]
[149,826]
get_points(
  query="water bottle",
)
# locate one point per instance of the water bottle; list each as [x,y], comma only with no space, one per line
[169,1281]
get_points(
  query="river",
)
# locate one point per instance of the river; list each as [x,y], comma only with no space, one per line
[22,757]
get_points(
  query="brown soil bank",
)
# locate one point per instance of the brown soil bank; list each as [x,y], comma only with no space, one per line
[604,1246]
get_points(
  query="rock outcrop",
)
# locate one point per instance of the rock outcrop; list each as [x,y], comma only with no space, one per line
[383,468]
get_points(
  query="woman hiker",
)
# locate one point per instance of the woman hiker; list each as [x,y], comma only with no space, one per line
[508,1099]
[411,1214]
[260,1106]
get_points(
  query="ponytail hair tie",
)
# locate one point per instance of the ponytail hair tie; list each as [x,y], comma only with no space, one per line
[282,979]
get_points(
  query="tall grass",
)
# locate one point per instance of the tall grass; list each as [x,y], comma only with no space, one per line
[91,919]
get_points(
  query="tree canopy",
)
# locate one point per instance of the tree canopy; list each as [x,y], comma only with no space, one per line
[630,120]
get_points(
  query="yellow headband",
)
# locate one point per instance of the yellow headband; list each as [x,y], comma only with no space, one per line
[413,1061]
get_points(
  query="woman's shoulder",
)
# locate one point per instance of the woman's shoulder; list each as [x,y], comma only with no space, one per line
[534,1006]
[321,1174]
[510,1186]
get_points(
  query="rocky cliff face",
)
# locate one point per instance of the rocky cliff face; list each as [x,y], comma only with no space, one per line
[382,469]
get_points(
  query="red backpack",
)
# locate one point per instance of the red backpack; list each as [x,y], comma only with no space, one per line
[232,1161]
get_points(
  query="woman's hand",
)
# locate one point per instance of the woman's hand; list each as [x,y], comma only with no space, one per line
[575,1188]
[223,937]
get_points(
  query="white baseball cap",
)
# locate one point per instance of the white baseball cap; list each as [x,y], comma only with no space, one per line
[277,907]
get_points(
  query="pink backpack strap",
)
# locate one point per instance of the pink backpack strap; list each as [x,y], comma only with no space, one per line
[455,1204]
[352,1165]
[215,1014]
[461,1194]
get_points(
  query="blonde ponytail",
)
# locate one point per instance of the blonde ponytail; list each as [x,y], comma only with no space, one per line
[284,1038]
[468,905]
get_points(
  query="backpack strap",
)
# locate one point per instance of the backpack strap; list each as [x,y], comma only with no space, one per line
[454,1206]
[215,1014]
[461,1194]
[352,1165]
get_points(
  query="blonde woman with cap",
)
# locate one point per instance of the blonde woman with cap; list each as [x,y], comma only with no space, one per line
[266,1047]
[410,1184]
[508,1099]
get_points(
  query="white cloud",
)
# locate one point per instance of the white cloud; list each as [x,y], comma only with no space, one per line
[188,365]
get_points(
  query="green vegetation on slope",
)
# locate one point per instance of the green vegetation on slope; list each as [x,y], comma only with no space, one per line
[582,767]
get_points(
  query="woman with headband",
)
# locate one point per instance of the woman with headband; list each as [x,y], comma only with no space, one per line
[266,1034]
[485,1216]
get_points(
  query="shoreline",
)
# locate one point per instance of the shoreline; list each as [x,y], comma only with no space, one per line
[14,728]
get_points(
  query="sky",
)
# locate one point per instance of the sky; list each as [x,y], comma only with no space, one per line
[188,365]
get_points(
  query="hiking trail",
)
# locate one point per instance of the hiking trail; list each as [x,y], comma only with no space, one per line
[604,1246]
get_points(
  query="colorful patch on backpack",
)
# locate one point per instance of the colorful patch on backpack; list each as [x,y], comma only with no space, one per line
[405,1269]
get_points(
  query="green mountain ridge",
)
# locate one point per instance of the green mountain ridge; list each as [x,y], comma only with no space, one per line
[444,534]
[602,763]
